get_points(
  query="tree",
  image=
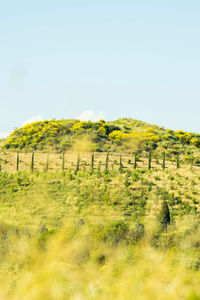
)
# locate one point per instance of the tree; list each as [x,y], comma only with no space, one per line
[164,216]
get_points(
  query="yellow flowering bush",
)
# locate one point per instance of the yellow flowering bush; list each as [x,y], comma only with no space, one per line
[117,135]
[31,135]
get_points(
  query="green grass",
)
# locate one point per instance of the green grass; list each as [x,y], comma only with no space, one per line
[97,235]
[91,228]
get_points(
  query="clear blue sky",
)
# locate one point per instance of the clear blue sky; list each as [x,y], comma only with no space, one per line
[138,59]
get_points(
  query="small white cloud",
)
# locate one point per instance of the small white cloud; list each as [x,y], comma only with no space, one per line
[33,119]
[3,135]
[91,115]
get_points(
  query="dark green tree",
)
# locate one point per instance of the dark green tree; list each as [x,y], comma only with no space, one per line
[164,216]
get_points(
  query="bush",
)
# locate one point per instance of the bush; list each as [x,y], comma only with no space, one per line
[113,232]
[137,233]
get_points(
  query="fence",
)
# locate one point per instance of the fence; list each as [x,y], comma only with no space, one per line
[12,161]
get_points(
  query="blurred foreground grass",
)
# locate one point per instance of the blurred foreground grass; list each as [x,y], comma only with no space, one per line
[95,236]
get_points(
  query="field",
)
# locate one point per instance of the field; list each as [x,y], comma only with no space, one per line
[95,234]
[99,211]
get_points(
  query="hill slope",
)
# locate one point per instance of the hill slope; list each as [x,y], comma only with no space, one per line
[94,232]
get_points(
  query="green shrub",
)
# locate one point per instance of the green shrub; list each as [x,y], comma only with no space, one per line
[114,232]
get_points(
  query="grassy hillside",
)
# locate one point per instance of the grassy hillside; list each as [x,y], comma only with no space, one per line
[85,224]
[125,135]
[98,236]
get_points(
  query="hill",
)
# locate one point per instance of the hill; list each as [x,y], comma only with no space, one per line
[122,135]
[95,235]
[82,225]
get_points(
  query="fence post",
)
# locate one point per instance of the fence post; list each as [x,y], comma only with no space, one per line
[191,163]
[32,161]
[177,161]
[92,164]
[163,163]
[17,166]
[135,160]
[107,161]
[63,160]
[99,169]
[47,163]
[149,164]
[77,164]
[120,165]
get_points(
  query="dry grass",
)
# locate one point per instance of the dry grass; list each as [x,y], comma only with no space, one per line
[69,265]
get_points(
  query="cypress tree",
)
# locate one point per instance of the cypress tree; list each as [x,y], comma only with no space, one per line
[0,166]
[107,161]
[135,160]
[163,163]
[149,163]
[17,166]
[120,165]
[32,162]
[164,217]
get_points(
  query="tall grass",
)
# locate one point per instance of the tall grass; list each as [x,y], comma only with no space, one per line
[69,235]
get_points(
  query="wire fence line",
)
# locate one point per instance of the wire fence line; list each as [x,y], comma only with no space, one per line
[16,161]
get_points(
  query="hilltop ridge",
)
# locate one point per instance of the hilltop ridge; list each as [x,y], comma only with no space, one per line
[124,134]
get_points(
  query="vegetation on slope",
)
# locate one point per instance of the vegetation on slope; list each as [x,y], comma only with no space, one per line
[120,135]
[105,227]
[77,235]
